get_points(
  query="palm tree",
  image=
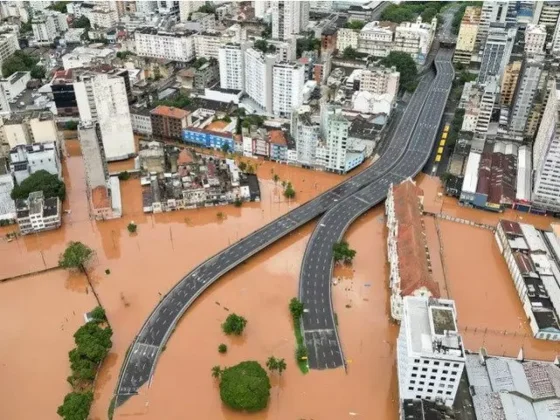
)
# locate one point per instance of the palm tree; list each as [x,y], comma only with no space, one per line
[272,363]
[216,371]
[280,366]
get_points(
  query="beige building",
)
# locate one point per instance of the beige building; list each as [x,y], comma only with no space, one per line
[509,82]
[466,39]
[28,128]
[380,80]
[346,37]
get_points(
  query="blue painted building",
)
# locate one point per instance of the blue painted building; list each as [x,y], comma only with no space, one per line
[206,138]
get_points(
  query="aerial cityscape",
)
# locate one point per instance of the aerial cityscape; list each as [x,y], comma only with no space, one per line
[280,210]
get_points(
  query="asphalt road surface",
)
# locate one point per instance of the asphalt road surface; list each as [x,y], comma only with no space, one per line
[408,152]
[143,353]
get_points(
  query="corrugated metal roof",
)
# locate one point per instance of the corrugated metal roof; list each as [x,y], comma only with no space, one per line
[471,173]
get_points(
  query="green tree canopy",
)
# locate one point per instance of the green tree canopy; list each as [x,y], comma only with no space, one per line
[19,61]
[405,66]
[82,367]
[40,181]
[98,314]
[38,72]
[234,324]
[355,24]
[289,191]
[59,6]
[409,11]
[342,252]
[350,53]
[309,43]
[93,342]
[245,387]
[82,22]
[296,308]
[76,406]
[124,54]
[76,256]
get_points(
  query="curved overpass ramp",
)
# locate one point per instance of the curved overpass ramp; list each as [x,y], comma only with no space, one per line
[319,328]
[142,356]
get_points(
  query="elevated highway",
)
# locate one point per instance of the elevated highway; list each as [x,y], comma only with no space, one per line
[319,328]
[143,353]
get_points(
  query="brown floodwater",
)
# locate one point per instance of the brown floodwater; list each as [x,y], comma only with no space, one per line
[144,265]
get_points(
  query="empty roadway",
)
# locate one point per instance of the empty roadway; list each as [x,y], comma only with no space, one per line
[319,328]
[142,356]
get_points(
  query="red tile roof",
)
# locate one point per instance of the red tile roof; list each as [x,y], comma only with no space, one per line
[170,112]
[100,198]
[411,241]
[277,137]
[184,157]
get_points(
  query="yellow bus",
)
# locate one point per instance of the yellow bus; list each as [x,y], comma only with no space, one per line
[442,143]
[444,136]
[446,128]
[440,150]
[438,158]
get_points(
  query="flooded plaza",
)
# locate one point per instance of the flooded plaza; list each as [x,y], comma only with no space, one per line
[44,310]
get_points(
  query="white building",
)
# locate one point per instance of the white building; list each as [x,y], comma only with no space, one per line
[231,60]
[208,44]
[186,7]
[141,121]
[306,135]
[102,97]
[497,51]
[546,156]
[26,128]
[7,205]
[531,257]
[288,17]
[260,7]
[175,46]
[339,157]
[37,214]
[492,11]
[103,191]
[415,38]
[25,160]
[287,88]
[15,84]
[535,39]
[258,77]
[376,39]
[346,37]
[146,7]
[380,80]
[86,56]
[372,103]
[103,17]
[44,29]
[486,105]
[8,46]
[430,353]
[556,40]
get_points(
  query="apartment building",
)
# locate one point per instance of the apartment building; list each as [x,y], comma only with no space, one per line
[525,93]
[546,156]
[44,30]
[287,88]
[546,13]
[141,120]
[8,46]
[28,127]
[535,39]
[258,77]
[103,17]
[509,82]
[200,22]
[187,7]
[466,39]
[175,46]
[407,248]
[492,11]
[430,352]
[208,44]
[305,133]
[103,98]
[25,160]
[415,38]
[339,155]
[376,38]
[288,18]
[14,85]
[37,213]
[346,37]
[169,122]
[231,59]
[497,50]
[103,191]
[380,80]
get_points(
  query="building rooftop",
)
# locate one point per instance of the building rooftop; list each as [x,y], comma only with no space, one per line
[277,137]
[509,389]
[424,410]
[432,328]
[412,248]
[170,112]
[100,198]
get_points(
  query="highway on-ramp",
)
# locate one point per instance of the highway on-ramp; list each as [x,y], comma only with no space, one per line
[415,144]
[140,361]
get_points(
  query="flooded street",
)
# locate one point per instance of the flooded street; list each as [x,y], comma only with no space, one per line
[145,265]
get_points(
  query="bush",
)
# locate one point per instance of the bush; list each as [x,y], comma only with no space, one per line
[238,202]
[245,386]
[124,176]
[132,227]
[76,406]
[296,309]
[19,61]
[98,314]
[222,348]
[289,192]
[342,252]
[301,352]
[40,181]
[37,72]
[234,324]
[71,125]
